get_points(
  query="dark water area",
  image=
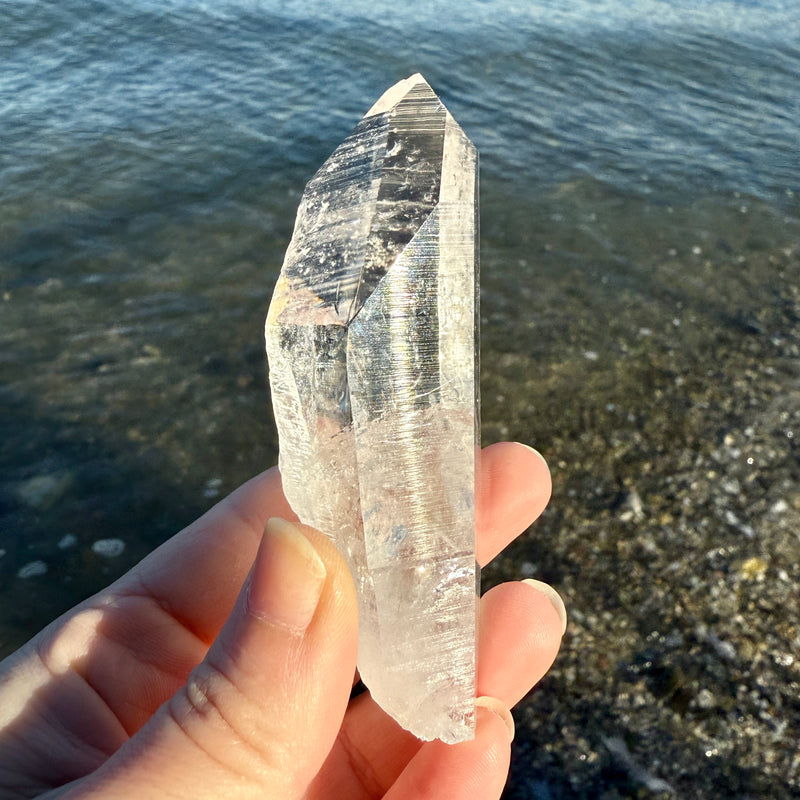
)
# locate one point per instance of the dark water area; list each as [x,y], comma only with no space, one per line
[641,326]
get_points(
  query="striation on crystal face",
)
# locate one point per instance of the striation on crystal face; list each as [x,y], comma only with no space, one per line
[372,345]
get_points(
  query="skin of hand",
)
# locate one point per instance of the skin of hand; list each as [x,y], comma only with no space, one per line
[222,665]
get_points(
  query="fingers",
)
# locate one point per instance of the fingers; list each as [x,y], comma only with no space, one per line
[371,751]
[520,630]
[519,634]
[215,552]
[464,771]
[196,576]
[159,620]
[262,710]
[514,489]
[511,658]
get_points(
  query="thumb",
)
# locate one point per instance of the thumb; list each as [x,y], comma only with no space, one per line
[259,715]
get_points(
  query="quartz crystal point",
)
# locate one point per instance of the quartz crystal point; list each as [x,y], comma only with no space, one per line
[372,344]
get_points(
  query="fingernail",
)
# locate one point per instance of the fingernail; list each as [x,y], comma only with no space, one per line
[287,579]
[554,597]
[499,709]
[536,453]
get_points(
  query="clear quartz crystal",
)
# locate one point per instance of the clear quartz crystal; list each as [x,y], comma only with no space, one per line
[372,344]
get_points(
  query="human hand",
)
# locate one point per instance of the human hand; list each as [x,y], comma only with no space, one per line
[222,664]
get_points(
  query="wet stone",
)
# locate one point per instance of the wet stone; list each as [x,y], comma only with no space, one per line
[33,569]
[108,548]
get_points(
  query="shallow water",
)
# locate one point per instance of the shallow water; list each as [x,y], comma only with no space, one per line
[639,220]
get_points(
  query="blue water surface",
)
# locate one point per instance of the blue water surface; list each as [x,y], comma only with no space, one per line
[681,96]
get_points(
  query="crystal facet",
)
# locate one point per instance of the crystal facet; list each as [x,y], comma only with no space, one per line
[372,344]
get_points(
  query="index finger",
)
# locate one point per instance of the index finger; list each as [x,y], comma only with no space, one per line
[515,487]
